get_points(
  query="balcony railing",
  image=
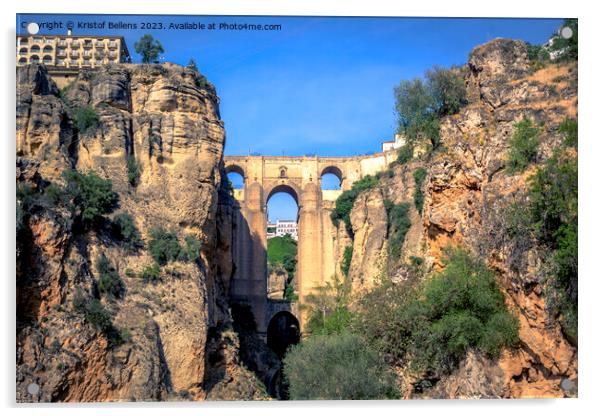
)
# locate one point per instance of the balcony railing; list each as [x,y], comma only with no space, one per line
[112,45]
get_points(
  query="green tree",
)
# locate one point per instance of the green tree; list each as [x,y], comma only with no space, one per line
[327,308]
[447,89]
[421,103]
[523,146]
[149,48]
[337,367]
[91,196]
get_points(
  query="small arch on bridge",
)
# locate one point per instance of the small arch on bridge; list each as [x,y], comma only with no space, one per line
[331,178]
[283,331]
[236,175]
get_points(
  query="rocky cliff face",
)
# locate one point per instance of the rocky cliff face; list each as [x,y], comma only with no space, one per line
[176,339]
[466,191]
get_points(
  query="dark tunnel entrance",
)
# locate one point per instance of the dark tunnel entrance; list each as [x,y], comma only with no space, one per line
[283,331]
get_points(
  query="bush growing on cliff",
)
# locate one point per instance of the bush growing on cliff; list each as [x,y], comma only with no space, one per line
[192,248]
[134,170]
[398,224]
[554,212]
[339,367]
[109,282]
[345,201]
[91,196]
[432,326]
[523,146]
[94,312]
[419,176]
[164,246]
[405,153]
[127,231]
[347,256]
[151,273]
[86,119]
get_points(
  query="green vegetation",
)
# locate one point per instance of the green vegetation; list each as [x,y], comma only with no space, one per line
[399,223]
[94,312]
[345,201]
[337,367]
[151,273]
[149,49]
[553,197]
[405,153]
[91,196]
[434,325]
[134,171]
[282,252]
[347,256]
[164,247]
[523,146]
[419,176]
[327,309]
[127,231]
[109,282]
[281,249]
[565,50]
[569,130]
[192,248]
[199,80]
[420,104]
[86,119]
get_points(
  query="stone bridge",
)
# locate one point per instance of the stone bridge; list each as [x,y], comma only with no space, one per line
[299,177]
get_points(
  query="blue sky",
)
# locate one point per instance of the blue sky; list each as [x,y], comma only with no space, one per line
[319,85]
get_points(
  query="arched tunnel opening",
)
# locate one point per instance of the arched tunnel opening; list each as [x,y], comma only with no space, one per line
[283,331]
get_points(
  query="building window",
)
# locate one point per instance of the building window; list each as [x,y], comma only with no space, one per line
[34,59]
[35,49]
[47,59]
[22,61]
[47,49]
[23,51]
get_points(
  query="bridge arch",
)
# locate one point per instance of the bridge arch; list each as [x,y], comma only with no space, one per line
[288,188]
[236,169]
[283,331]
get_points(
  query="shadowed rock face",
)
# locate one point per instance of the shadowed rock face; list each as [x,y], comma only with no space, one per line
[158,117]
[466,191]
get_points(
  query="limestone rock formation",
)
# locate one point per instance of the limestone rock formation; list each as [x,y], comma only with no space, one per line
[156,119]
[466,189]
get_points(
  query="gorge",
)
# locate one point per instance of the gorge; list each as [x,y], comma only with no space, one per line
[195,324]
